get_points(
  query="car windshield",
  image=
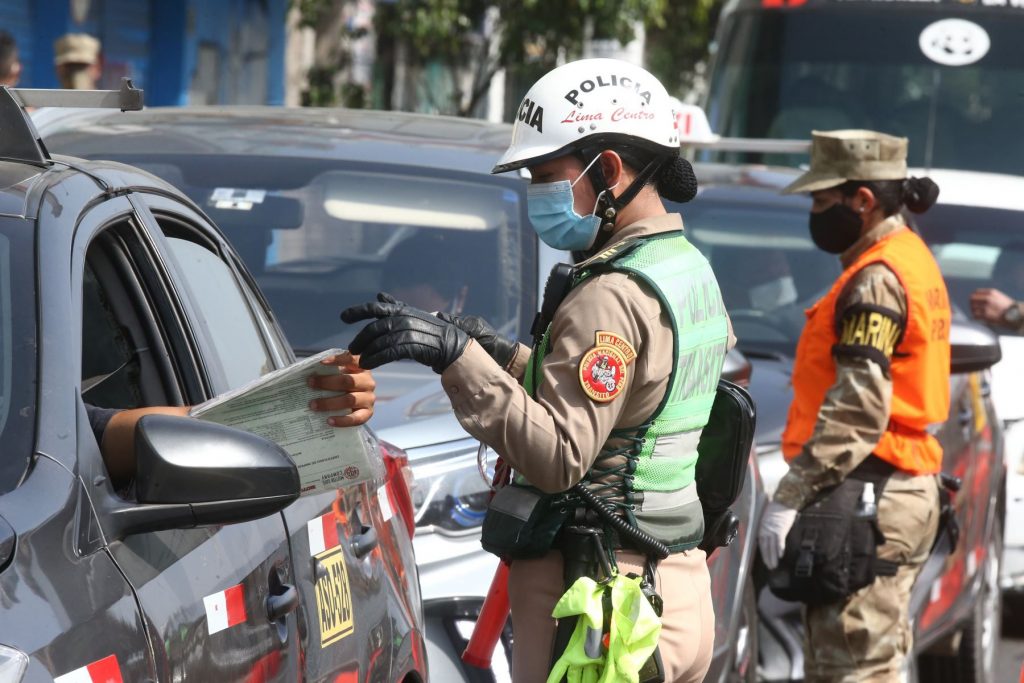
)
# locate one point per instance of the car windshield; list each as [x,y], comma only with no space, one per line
[320,236]
[976,247]
[948,77]
[17,350]
[767,266]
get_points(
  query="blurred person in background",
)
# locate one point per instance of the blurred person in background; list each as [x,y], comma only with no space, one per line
[77,60]
[1001,305]
[10,64]
[420,272]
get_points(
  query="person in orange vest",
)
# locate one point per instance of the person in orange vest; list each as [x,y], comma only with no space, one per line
[871,373]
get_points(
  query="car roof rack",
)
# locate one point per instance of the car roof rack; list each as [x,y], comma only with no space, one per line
[19,140]
[695,132]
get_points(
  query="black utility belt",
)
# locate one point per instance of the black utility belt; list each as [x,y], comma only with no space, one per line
[832,549]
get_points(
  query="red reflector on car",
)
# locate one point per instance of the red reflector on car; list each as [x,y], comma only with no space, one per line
[399,483]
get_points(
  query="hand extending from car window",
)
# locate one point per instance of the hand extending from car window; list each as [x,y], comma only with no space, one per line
[401,332]
[499,347]
[355,387]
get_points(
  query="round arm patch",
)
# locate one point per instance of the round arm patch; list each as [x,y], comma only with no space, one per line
[604,368]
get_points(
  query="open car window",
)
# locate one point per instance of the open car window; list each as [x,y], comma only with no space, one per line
[17,351]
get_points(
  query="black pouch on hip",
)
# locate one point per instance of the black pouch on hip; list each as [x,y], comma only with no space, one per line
[832,549]
[722,457]
[522,522]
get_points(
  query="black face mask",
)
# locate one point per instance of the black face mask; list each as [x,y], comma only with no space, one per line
[836,228]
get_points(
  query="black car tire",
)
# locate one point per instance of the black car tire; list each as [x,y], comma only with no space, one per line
[974,662]
[976,658]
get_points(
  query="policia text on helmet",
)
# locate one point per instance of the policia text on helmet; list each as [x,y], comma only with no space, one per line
[601,421]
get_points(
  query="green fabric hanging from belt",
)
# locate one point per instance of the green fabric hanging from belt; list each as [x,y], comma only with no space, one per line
[594,655]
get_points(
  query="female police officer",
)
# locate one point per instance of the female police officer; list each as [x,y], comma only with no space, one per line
[622,384]
[871,373]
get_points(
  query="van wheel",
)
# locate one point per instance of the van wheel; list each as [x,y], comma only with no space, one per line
[744,666]
[976,659]
[974,662]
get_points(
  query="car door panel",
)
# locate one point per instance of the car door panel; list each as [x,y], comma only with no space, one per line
[66,609]
[343,584]
[203,591]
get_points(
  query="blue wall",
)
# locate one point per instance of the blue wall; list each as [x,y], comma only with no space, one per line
[226,51]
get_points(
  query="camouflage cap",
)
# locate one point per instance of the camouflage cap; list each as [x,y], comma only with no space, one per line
[76,48]
[841,155]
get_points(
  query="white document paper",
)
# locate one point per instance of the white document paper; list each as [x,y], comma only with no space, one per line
[276,407]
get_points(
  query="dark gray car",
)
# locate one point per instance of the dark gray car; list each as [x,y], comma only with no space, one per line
[117,291]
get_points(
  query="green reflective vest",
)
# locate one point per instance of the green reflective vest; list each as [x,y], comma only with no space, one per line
[659,490]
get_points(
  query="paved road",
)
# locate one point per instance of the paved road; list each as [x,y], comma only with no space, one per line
[1010,654]
[1008,660]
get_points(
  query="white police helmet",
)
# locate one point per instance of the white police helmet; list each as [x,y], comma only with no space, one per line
[591,103]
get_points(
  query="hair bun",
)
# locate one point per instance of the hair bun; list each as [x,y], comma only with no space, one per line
[676,180]
[919,194]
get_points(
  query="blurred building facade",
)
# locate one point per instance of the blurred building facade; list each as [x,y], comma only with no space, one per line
[180,51]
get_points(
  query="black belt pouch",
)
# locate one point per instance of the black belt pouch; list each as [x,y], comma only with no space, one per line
[831,551]
[522,522]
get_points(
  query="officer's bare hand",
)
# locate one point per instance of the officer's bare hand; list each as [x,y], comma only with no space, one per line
[989,305]
[355,387]
[771,537]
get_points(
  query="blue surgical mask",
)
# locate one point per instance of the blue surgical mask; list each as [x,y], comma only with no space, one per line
[554,217]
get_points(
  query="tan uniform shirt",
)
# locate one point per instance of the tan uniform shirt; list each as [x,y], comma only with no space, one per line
[553,440]
[855,412]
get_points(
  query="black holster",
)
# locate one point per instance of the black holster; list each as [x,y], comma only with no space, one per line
[831,551]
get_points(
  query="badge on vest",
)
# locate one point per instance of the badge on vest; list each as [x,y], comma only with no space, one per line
[603,369]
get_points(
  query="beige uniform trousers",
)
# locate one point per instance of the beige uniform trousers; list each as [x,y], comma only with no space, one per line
[867,637]
[688,621]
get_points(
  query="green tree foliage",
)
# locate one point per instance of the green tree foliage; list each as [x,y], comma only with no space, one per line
[677,42]
[528,37]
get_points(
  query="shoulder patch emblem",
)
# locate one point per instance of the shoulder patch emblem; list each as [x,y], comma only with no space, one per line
[604,368]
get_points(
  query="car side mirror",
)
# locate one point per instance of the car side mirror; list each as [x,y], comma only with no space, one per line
[192,473]
[973,347]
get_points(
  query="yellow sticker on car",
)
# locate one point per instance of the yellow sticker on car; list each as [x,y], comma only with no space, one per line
[334,598]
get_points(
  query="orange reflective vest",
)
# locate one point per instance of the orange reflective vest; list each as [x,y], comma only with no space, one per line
[919,364]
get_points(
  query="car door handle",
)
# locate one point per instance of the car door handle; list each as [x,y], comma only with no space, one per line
[279,605]
[364,542]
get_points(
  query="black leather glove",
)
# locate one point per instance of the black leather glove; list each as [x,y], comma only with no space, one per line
[500,348]
[402,332]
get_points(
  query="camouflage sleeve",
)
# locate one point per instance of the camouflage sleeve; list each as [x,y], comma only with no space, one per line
[871,316]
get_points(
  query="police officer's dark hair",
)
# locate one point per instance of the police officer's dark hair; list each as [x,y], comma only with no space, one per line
[675,180]
[917,194]
[8,53]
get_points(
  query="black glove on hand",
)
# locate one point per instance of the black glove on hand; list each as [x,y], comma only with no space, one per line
[402,332]
[500,348]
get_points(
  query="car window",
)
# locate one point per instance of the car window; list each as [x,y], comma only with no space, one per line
[976,247]
[767,266]
[321,235]
[783,73]
[17,350]
[216,293]
[110,368]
